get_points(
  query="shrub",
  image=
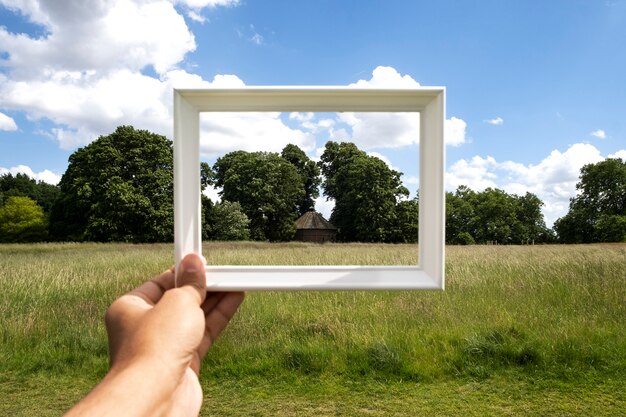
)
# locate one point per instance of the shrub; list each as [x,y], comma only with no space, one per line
[22,220]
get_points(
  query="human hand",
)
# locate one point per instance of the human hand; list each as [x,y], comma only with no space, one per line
[158,336]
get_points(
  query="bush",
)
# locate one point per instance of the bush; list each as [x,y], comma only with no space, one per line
[227,221]
[22,220]
[464,238]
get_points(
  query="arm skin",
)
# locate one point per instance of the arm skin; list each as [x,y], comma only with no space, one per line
[158,336]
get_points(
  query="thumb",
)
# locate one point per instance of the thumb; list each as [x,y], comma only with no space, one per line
[191,276]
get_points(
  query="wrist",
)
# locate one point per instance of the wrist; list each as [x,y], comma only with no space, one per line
[136,389]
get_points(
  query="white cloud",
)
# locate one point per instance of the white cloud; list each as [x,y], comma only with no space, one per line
[45,175]
[392,130]
[307,121]
[454,131]
[199,4]
[84,108]
[325,207]
[387,77]
[250,131]
[85,73]
[196,17]
[475,173]
[382,130]
[498,121]
[339,135]
[600,134]
[7,123]
[553,180]
[619,154]
[95,35]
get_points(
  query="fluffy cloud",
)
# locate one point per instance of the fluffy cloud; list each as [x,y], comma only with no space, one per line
[84,108]
[45,175]
[553,179]
[85,74]
[382,130]
[308,122]
[94,35]
[454,131]
[386,77]
[392,130]
[251,131]
[619,154]
[7,123]
[600,134]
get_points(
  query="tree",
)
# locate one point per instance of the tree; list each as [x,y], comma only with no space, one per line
[22,220]
[460,217]
[493,216]
[598,212]
[530,226]
[310,173]
[118,188]
[227,221]
[366,192]
[22,185]
[267,187]
[407,226]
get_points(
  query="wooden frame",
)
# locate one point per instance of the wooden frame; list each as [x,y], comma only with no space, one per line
[428,101]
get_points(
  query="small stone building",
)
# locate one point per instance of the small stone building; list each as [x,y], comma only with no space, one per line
[313,227]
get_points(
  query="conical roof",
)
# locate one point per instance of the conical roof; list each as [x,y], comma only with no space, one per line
[313,220]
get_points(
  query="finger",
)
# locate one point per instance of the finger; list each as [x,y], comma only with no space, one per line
[212,299]
[152,291]
[219,309]
[191,276]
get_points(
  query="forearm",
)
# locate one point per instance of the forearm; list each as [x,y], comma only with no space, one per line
[134,391]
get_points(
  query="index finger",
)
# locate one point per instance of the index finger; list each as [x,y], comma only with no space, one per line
[152,291]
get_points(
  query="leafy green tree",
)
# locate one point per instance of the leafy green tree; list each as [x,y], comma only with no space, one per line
[366,192]
[310,173]
[407,216]
[267,187]
[22,220]
[227,221]
[530,225]
[611,228]
[598,212]
[22,185]
[207,210]
[460,217]
[493,216]
[118,188]
[206,175]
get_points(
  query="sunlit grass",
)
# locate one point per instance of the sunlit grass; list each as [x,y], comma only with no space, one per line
[300,253]
[516,325]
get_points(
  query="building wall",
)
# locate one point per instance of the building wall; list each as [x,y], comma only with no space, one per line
[316,235]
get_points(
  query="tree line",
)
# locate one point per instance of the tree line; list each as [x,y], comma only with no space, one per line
[120,188]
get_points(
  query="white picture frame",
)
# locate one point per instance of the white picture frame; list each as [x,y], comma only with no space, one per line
[428,101]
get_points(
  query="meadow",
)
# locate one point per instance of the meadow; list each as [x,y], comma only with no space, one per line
[519,330]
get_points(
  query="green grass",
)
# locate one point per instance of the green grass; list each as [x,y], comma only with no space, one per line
[520,330]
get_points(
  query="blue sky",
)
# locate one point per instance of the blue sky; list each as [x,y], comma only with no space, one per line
[535,89]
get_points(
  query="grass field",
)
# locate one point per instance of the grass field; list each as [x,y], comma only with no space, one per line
[520,330]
